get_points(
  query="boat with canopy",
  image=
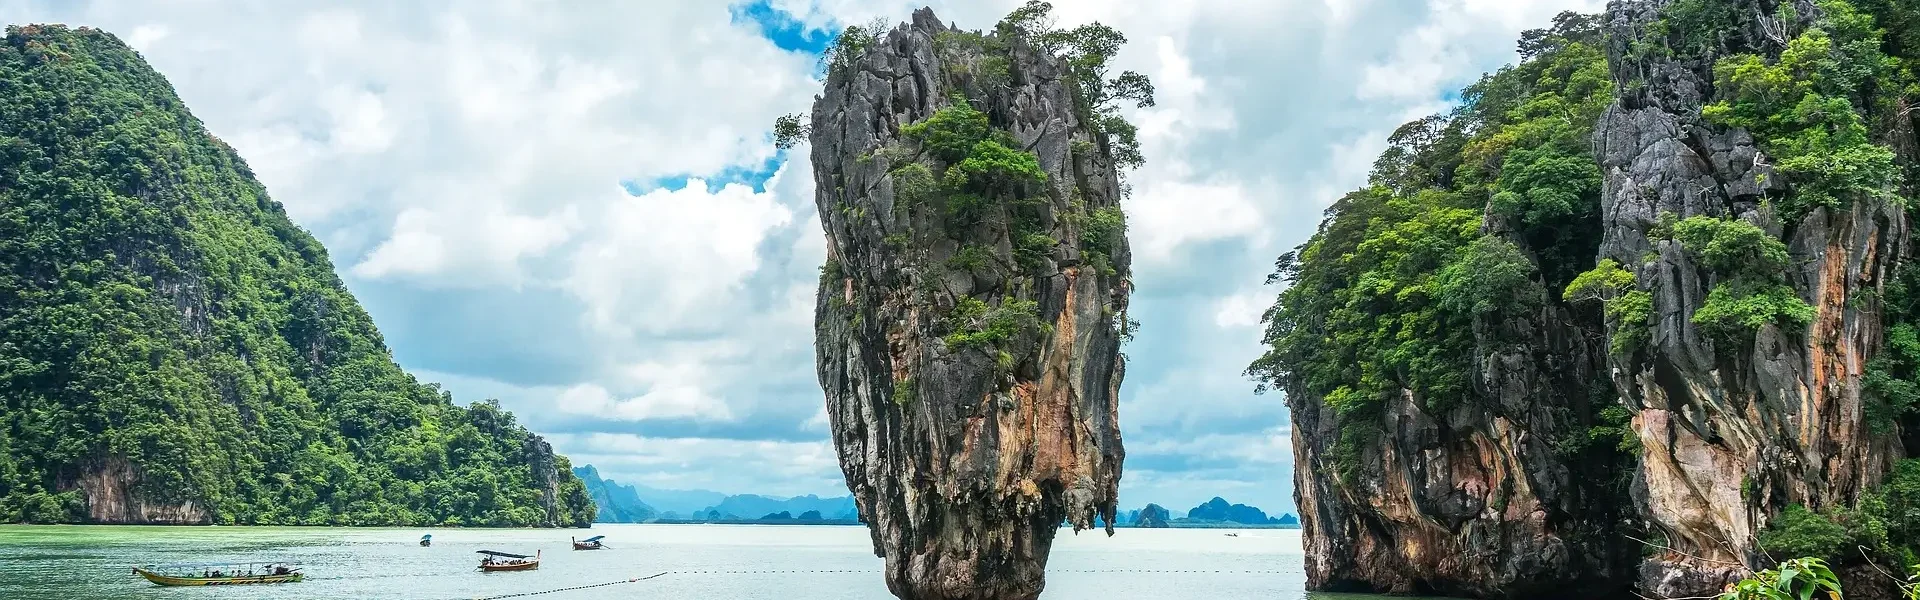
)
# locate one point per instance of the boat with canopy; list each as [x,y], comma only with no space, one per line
[426,540]
[202,574]
[491,561]
[592,543]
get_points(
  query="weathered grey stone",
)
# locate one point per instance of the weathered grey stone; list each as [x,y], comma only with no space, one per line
[963,486]
[1735,431]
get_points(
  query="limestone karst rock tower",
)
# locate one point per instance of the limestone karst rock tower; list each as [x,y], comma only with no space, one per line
[974,297]
[1638,316]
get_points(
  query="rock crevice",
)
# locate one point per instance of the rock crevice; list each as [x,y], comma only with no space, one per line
[968,341]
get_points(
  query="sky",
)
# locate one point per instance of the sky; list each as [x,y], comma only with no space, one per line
[576,207]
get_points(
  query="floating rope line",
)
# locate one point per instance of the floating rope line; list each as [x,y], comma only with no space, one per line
[870,572]
[577,587]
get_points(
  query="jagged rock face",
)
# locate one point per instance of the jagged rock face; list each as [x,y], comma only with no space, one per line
[963,461]
[111,487]
[1733,433]
[1474,501]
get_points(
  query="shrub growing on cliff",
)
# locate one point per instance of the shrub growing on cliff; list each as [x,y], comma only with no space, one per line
[1796,579]
[974,325]
[1492,277]
[1893,376]
[1802,532]
[1627,309]
[952,132]
[1885,524]
[1101,235]
[1383,300]
[1801,111]
[1752,291]
[850,44]
[1088,49]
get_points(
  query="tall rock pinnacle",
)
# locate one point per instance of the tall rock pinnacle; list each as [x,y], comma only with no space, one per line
[974,298]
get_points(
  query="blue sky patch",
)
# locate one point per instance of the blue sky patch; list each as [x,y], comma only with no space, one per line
[753,176]
[786,31]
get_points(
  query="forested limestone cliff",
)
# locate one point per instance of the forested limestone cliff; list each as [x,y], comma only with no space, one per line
[974,298]
[1638,314]
[174,350]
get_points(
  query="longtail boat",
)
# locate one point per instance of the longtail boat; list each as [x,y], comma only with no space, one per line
[426,540]
[592,543]
[201,574]
[502,561]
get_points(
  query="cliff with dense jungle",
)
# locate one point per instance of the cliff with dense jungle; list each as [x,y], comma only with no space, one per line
[974,298]
[174,350]
[1638,316]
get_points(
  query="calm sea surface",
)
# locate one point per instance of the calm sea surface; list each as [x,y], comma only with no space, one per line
[94,562]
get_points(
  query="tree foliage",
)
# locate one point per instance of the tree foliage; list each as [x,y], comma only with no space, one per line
[1795,579]
[159,311]
[1802,109]
[1383,299]
[1088,49]
[1751,291]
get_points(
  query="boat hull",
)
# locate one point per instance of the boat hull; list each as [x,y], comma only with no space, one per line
[529,566]
[579,546]
[172,581]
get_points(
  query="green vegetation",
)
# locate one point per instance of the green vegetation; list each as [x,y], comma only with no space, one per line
[1893,376]
[1802,532]
[903,391]
[1627,309]
[789,130]
[1383,299]
[1751,264]
[1088,48]
[974,325]
[1796,579]
[950,134]
[851,44]
[1885,522]
[159,311]
[1801,108]
[1100,237]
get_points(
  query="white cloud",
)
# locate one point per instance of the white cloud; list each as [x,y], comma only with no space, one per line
[661,259]
[1242,309]
[463,162]
[144,36]
[662,402]
[1447,47]
[480,245]
[1173,204]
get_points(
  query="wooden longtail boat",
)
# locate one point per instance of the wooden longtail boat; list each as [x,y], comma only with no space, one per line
[203,574]
[426,540]
[502,561]
[592,543]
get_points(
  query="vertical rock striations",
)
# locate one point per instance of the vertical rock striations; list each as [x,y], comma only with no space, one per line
[1645,298]
[972,305]
[1739,423]
[1450,431]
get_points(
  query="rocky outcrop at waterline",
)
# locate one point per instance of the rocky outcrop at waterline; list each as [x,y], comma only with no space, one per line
[1738,426]
[1450,432]
[1642,295]
[973,302]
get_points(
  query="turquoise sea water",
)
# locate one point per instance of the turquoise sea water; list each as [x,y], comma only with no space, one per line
[700,561]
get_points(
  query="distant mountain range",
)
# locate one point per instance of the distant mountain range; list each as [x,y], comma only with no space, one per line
[1213,513]
[633,503]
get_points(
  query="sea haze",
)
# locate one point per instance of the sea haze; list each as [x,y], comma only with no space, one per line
[700,561]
